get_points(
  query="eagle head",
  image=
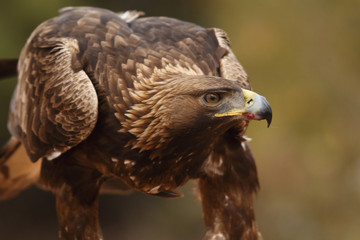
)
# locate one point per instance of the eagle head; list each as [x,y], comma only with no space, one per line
[187,107]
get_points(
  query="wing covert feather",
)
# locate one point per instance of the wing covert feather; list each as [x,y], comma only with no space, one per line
[54,106]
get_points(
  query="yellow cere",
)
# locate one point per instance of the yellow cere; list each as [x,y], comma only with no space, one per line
[248,94]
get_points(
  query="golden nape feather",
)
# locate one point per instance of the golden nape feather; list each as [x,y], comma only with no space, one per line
[112,102]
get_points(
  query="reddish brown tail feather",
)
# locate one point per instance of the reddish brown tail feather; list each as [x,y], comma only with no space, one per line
[17,172]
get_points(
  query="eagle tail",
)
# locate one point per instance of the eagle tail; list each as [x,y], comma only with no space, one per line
[8,68]
[17,172]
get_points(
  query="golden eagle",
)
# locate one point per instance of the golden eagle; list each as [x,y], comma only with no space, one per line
[112,101]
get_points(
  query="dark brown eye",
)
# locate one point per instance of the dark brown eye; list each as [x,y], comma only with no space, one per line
[212,98]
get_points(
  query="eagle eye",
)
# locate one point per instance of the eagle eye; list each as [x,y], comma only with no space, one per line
[212,98]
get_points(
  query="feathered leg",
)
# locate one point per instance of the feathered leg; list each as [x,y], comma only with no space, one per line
[227,190]
[78,219]
[77,189]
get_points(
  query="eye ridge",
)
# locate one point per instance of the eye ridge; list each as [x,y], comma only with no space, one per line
[212,98]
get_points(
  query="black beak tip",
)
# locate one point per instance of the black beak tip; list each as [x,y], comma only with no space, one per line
[268,119]
[267,112]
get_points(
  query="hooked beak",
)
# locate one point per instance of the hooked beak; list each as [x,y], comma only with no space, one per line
[256,108]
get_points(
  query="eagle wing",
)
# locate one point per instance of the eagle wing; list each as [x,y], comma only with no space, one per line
[54,106]
[230,68]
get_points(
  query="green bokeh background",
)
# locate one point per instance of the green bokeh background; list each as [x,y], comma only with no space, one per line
[304,56]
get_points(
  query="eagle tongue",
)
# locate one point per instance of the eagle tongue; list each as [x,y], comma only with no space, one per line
[169,194]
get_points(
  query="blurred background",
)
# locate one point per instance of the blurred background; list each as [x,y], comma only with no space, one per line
[304,56]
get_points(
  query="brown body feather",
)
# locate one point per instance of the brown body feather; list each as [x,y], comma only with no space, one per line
[111,99]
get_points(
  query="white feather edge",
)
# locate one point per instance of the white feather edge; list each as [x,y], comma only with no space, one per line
[130,15]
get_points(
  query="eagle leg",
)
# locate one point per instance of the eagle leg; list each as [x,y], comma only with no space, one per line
[226,215]
[227,189]
[77,191]
[77,219]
